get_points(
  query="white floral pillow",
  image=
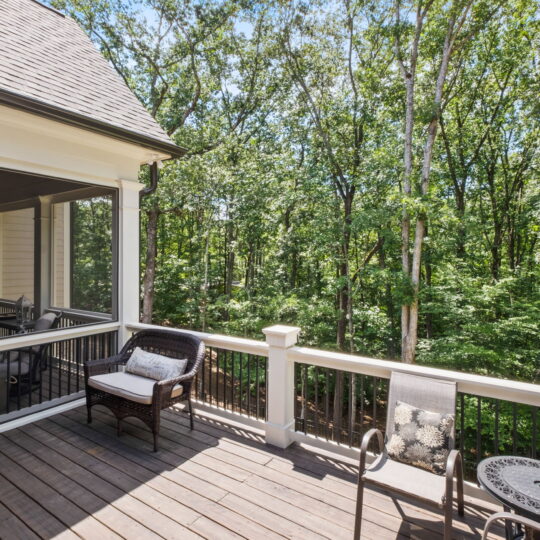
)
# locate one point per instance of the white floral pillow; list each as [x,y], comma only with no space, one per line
[420,438]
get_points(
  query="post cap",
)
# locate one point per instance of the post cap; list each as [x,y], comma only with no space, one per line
[280,335]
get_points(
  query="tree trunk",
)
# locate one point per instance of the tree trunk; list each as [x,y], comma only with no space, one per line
[405,219]
[205,284]
[344,305]
[410,313]
[150,271]
[428,269]
[343,272]
[229,264]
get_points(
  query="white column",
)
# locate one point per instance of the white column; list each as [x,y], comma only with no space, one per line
[42,255]
[280,398]
[128,255]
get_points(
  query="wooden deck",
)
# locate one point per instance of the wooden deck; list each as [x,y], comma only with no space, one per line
[62,478]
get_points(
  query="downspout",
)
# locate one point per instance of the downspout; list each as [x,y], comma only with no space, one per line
[154,177]
[145,192]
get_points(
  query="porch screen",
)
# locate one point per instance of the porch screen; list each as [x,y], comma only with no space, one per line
[83,254]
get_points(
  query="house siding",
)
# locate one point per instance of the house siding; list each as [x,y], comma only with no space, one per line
[17,254]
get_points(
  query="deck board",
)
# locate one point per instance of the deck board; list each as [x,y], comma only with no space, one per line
[62,477]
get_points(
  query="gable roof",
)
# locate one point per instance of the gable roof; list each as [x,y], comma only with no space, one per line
[50,67]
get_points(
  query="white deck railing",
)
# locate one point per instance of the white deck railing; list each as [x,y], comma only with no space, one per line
[282,352]
[279,354]
[19,341]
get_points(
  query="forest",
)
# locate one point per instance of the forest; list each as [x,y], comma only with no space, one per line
[367,170]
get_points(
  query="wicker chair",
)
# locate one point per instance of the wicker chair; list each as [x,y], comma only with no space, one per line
[150,396]
[424,393]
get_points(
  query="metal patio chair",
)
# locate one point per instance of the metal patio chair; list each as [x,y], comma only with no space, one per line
[433,395]
[508,518]
[24,366]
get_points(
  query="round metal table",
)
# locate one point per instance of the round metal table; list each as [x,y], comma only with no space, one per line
[515,482]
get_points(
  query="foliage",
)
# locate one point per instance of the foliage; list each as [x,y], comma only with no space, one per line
[91,273]
[287,207]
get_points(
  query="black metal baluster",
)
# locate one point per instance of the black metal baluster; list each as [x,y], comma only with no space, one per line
[218,374]
[257,389]
[478,430]
[211,356]
[249,357]
[351,406]
[514,428]
[462,425]
[41,375]
[327,401]
[69,361]
[497,413]
[59,347]
[202,395]
[19,382]
[316,400]
[233,381]
[362,410]
[31,379]
[266,388]
[8,380]
[241,385]
[534,414]
[374,405]
[225,379]
[304,398]
[51,367]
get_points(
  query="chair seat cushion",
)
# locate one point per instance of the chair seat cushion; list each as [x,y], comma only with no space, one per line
[19,364]
[406,479]
[129,386]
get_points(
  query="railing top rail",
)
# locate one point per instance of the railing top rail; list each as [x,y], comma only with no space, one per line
[231,343]
[82,315]
[491,387]
[480,385]
[50,336]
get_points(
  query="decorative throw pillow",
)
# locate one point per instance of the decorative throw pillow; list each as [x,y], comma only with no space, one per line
[420,438]
[155,366]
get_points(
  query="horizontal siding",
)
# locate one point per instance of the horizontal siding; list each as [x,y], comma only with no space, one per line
[17,256]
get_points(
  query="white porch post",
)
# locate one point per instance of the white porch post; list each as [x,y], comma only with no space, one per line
[128,255]
[280,398]
[42,254]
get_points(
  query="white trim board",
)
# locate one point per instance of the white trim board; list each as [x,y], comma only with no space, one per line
[35,417]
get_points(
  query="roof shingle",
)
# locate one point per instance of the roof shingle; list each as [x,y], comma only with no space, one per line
[47,57]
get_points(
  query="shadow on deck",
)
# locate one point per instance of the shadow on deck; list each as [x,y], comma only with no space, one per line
[60,477]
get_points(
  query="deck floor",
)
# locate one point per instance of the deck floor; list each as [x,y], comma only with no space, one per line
[62,478]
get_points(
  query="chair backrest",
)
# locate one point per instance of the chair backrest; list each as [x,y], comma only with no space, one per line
[434,395]
[173,344]
[47,321]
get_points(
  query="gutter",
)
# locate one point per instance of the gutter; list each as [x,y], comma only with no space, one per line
[40,108]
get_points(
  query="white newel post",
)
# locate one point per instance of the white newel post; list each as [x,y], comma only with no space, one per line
[280,398]
[128,256]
